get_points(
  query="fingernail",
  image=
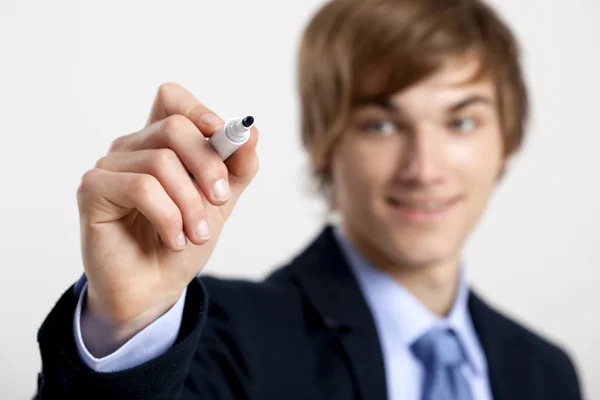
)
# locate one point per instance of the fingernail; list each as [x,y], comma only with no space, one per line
[210,119]
[221,190]
[181,240]
[202,230]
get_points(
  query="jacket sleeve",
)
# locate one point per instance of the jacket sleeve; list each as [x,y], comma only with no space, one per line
[565,377]
[202,364]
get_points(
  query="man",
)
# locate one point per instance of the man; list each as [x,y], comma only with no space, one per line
[411,111]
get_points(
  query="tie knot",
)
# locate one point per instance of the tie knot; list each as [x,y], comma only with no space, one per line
[439,347]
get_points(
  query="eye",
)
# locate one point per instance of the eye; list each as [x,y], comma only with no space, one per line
[463,124]
[380,127]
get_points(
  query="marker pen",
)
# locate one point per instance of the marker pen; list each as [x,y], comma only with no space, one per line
[231,136]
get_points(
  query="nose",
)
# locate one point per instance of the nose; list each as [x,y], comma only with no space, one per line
[422,157]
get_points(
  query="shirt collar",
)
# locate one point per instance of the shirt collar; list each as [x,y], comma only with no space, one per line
[396,310]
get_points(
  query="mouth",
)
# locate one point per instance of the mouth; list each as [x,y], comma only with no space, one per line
[422,210]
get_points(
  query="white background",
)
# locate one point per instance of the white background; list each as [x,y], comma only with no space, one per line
[75,75]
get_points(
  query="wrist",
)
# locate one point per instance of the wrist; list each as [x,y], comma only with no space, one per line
[124,312]
[104,332]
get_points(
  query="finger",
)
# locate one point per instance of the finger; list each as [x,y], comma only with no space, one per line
[243,166]
[243,163]
[102,191]
[199,158]
[167,168]
[173,99]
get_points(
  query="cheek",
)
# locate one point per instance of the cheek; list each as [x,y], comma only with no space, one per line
[479,164]
[360,172]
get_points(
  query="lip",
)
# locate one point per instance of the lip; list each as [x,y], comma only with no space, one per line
[414,215]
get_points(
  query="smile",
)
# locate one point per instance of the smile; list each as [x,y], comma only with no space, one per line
[422,210]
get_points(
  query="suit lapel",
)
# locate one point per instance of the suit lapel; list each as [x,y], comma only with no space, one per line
[509,369]
[323,274]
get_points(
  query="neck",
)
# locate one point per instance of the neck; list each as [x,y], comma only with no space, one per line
[434,284]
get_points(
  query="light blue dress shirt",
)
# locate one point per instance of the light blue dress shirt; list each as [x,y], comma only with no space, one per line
[400,319]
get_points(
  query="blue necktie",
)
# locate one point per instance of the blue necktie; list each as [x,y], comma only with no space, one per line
[440,352]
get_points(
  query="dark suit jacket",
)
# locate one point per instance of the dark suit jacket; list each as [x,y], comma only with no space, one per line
[304,333]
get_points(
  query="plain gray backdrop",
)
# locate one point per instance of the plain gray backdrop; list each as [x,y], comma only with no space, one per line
[75,75]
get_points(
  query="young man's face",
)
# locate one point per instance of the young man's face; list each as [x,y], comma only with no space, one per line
[412,177]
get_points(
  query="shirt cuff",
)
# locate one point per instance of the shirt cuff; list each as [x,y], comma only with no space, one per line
[147,344]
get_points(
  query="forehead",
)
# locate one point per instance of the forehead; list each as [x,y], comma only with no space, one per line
[454,81]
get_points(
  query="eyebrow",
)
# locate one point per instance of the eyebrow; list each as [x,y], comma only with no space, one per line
[386,103]
[474,99]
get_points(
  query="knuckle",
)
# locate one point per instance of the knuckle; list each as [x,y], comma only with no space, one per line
[165,89]
[88,182]
[102,162]
[161,159]
[115,145]
[174,126]
[144,186]
[118,144]
[192,204]
[171,219]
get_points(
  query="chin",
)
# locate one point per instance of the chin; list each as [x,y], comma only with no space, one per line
[414,252]
[418,259]
[394,244]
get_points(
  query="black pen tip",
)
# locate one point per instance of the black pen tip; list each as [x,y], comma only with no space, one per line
[248,121]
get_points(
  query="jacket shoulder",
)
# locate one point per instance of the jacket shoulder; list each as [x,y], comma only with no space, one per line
[250,293]
[547,356]
[246,303]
